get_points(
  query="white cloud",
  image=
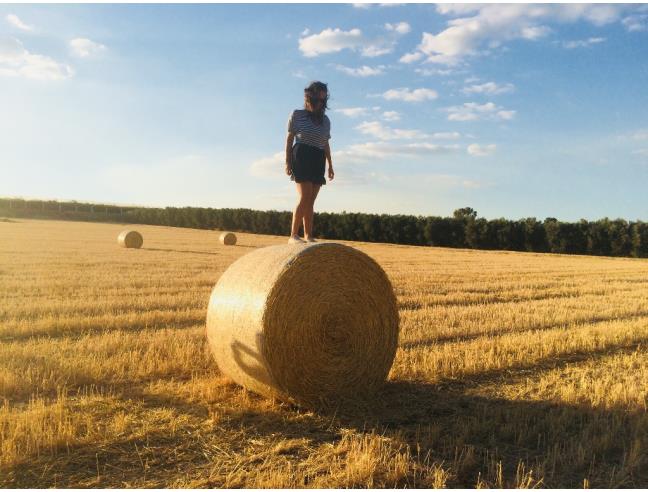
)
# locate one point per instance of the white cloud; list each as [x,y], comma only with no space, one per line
[369,5]
[85,48]
[15,21]
[352,112]
[273,166]
[400,28]
[363,71]
[383,150]
[378,48]
[584,43]
[491,25]
[481,150]
[640,135]
[446,135]
[506,114]
[330,41]
[391,116]
[16,61]
[378,130]
[336,40]
[472,111]
[434,71]
[410,57]
[636,23]
[488,88]
[305,32]
[404,94]
[534,32]
[299,74]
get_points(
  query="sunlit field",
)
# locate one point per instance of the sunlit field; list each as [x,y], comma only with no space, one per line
[513,370]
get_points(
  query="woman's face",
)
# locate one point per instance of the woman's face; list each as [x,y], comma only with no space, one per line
[318,101]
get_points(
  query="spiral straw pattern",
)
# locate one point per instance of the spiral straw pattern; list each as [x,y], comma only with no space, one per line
[307,323]
[228,238]
[130,239]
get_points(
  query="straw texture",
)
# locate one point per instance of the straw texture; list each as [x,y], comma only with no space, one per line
[306,323]
[228,238]
[130,239]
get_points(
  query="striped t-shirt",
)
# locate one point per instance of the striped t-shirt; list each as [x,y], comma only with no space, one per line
[308,132]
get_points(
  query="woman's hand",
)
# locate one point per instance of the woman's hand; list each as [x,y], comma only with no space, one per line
[289,170]
[330,173]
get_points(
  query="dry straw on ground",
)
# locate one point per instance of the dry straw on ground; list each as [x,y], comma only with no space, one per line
[228,238]
[130,239]
[304,323]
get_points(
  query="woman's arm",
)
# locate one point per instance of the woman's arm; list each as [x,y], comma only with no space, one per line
[327,153]
[289,144]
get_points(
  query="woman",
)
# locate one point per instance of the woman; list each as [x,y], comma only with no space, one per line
[306,160]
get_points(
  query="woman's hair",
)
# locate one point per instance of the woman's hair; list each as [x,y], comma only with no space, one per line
[312,91]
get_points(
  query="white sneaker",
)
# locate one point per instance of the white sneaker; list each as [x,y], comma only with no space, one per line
[295,240]
[310,240]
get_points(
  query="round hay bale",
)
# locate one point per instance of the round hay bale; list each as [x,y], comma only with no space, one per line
[130,239]
[228,238]
[306,323]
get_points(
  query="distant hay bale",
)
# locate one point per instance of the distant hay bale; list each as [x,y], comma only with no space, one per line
[307,323]
[228,238]
[130,239]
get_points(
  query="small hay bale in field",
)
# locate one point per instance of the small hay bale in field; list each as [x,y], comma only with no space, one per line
[130,239]
[307,323]
[228,238]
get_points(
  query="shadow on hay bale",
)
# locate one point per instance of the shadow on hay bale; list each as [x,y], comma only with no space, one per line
[304,323]
[130,239]
[228,238]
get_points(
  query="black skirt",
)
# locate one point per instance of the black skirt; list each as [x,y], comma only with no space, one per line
[308,164]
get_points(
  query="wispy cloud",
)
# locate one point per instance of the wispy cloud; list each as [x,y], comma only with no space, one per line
[363,71]
[472,111]
[407,95]
[378,130]
[435,71]
[15,21]
[636,23]
[640,135]
[85,48]
[352,112]
[382,132]
[581,43]
[490,88]
[478,150]
[384,150]
[299,74]
[400,27]
[391,116]
[16,61]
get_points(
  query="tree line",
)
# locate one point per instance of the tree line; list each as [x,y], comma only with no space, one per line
[464,229]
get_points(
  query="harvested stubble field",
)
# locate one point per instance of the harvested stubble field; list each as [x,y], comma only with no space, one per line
[513,369]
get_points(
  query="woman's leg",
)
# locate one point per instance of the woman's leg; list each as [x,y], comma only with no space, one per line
[305,191]
[308,216]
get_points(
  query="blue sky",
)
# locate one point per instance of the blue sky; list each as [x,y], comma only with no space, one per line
[515,110]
